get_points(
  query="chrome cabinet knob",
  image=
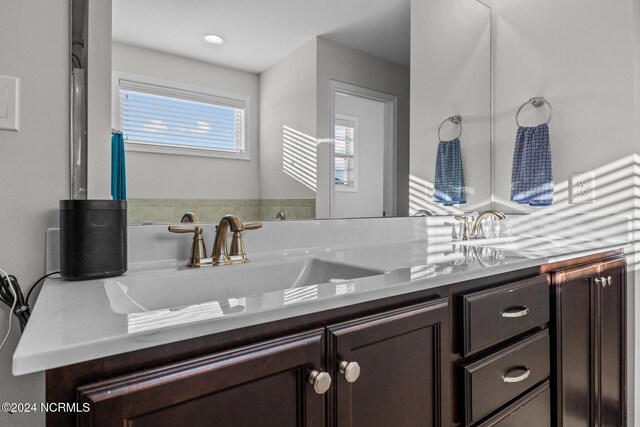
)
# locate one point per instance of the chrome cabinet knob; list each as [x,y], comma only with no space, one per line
[321,381]
[609,281]
[601,281]
[350,370]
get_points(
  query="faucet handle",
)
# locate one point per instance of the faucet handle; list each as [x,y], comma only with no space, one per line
[237,252]
[464,227]
[251,225]
[198,251]
[185,229]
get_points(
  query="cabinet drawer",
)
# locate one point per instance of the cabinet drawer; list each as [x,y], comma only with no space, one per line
[494,315]
[533,409]
[496,379]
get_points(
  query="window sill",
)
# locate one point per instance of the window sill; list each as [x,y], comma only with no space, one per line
[346,189]
[183,151]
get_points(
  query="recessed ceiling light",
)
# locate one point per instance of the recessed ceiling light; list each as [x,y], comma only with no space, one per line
[213,38]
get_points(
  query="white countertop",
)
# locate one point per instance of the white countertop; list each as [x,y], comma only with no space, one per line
[74,321]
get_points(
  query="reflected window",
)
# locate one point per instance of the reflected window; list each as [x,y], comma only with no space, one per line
[345,152]
[171,118]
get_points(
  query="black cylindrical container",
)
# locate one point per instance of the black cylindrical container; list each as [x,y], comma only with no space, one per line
[93,238]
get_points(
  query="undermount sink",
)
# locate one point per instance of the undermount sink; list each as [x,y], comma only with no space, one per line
[178,289]
[524,243]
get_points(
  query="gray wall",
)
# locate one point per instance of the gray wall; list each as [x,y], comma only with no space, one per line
[450,75]
[340,63]
[580,56]
[288,99]
[34,171]
[152,175]
[98,64]
[298,87]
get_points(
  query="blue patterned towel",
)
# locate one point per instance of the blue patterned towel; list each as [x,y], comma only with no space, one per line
[448,184]
[532,173]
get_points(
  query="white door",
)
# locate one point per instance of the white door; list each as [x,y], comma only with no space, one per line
[360,135]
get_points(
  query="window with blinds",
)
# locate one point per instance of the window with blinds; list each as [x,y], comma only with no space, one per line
[345,153]
[166,119]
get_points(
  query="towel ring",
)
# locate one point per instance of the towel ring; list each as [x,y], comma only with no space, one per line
[538,101]
[456,120]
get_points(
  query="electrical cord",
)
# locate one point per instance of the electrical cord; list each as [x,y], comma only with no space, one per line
[36,284]
[6,279]
[12,296]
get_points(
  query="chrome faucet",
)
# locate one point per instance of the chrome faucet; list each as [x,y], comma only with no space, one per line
[236,253]
[423,212]
[189,217]
[475,228]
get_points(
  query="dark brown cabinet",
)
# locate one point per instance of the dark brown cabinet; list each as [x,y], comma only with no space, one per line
[590,334]
[502,376]
[532,410]
[505,350]
[494,315]
[260,385]
[394,377]
[400,355]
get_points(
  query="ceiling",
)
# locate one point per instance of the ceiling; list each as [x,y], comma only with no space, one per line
[259,33]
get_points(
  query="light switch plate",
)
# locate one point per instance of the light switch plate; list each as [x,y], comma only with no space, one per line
[9,97]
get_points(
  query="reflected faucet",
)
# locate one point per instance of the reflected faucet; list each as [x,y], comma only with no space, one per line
[236,254]
[189,217]
[423,212]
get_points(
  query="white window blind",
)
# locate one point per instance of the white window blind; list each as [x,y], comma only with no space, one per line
[181,120]
[345,154]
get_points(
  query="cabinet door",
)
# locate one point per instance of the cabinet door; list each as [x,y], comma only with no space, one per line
[259,385]
[590,336]
[572,330]
[403,365]
[610,345]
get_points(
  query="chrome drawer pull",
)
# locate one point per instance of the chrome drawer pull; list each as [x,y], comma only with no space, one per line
[517,378]
[516,312]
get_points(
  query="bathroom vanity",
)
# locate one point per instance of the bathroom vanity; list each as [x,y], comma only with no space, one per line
[426,334]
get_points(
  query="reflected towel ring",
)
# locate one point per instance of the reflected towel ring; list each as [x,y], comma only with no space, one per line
[537,101]
[456,120]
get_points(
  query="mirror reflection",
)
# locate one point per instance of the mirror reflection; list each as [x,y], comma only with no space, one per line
[288,110]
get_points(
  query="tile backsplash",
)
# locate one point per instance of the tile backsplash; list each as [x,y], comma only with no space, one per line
[211,210]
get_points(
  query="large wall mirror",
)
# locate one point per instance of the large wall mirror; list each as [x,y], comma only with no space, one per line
[282,109]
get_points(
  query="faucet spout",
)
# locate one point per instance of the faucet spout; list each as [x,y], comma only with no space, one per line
[221,253]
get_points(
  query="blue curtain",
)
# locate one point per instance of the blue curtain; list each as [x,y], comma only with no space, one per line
[118,170]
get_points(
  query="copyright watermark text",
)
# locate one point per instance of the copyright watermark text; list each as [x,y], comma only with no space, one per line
[22,407]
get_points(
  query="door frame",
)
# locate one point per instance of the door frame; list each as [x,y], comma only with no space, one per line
[390,141]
